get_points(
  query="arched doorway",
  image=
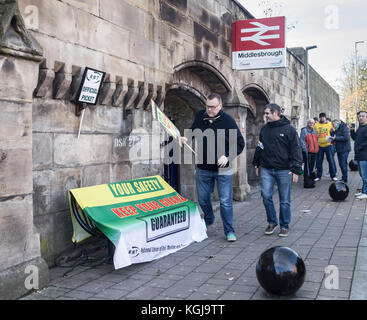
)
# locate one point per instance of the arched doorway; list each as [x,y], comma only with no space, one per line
[180,105]
[192,82]
[257,99]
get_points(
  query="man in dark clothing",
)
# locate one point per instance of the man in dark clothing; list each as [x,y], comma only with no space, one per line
[279,155]
[360,151]
[340,135]
[219,142]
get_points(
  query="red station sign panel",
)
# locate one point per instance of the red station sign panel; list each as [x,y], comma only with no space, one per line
[259,43]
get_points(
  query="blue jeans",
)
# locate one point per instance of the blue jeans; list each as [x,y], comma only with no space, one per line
[284,182]
[205,180]
[343,164]
[362,168]
[329,157]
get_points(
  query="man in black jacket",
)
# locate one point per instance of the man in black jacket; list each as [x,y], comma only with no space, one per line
[360,151]
[279,155]
[340,135]
[218,142]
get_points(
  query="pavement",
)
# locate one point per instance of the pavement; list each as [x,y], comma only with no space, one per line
[331,238]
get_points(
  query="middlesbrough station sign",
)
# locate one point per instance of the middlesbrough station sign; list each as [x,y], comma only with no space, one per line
[259,44]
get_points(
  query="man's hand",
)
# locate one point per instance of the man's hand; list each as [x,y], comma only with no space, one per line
[183,140]
[257,171]
[222,161]
[294,178]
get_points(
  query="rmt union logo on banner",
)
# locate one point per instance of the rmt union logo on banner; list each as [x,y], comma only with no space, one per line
[259,43]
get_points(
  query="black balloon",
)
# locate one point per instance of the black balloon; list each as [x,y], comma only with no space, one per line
[338,191]
[353,165]
[281,271]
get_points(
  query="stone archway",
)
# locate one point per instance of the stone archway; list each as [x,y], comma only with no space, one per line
[180,105]
[206,73]
[192,82]
[257,98]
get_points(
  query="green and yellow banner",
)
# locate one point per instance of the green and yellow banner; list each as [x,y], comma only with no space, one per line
[144,218]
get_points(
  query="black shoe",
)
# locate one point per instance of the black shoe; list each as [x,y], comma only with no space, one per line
[270,229]
[283,232]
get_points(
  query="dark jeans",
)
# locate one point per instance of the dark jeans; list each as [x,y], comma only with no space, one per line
[305,164]
[312,160]
[330,159]
[309,160]
[343,164]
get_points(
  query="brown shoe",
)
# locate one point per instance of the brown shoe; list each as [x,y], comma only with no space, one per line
[270,229]
[283,232]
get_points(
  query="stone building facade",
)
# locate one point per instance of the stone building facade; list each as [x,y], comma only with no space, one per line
[174,52]
[323,98]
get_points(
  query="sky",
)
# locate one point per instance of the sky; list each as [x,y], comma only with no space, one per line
[334,26]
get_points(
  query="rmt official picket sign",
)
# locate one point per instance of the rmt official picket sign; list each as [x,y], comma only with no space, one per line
[91,85]
[259,44]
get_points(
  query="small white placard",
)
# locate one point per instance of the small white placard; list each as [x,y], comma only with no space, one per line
[91,86]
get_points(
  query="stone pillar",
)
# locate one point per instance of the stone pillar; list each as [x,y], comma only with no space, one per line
[236,105]
[21,266]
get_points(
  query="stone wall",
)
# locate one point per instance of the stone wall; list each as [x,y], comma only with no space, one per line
[284,86]
[323,97]
[19,239]
[138,44]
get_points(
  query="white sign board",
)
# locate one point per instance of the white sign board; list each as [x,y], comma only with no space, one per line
[91,85]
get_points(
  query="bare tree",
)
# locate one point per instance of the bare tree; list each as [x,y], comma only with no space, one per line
[270,8]
[347,88]
[274,8]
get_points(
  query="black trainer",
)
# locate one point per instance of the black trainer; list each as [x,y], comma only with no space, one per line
[283,232]
[270,229]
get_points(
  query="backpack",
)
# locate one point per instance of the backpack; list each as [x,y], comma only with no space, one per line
[312,144]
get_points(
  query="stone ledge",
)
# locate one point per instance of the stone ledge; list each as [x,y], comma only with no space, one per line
[15,40]
[12,280]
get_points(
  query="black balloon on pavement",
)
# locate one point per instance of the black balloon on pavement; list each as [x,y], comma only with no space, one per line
[280,270]
[338,191]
